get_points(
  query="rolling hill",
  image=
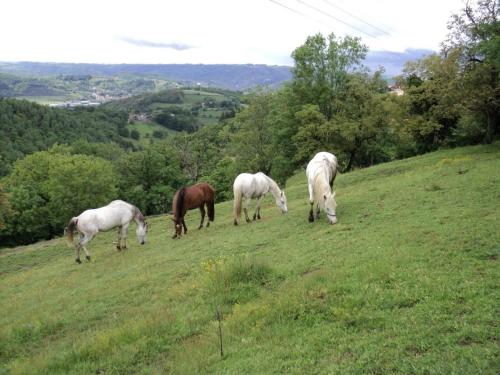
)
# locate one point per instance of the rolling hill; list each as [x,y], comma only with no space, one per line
[405,283]
[228,76]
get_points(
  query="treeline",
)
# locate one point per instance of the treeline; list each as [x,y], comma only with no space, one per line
[332,103]
[26,127]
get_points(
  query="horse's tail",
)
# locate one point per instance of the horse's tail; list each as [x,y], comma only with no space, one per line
[70,229]
[180,203]
[237,202]
[211,210]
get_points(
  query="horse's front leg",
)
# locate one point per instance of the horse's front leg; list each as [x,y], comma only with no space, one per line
[311,202]
[124,232]
[184,225]
[311,214]
[119,241]
[202,212]
[317,211]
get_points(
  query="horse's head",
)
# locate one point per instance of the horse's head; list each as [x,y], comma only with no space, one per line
[142,230]
[177,228]
[330,207]
[281,202]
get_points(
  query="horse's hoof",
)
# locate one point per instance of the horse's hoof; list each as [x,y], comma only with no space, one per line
[258,217]
[235,222]
[254,217]
[311,219]
[208,224]
[78,261]
[200,227]
[87,257]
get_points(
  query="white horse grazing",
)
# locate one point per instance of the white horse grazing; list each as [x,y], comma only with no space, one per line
[321,172]
[255,186]
[116,214]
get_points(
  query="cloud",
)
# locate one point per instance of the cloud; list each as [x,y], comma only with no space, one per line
[150,44]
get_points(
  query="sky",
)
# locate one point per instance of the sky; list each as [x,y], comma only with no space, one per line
[210,32]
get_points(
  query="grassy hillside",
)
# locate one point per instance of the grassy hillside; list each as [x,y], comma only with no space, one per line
[406,282]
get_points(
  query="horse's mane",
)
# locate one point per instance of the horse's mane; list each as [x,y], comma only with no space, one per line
[321,179]
[138,214]
[179,204]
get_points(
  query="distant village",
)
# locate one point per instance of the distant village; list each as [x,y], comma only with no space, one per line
[97,99]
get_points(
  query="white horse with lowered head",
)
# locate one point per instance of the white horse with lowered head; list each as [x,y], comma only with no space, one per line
[116,214]
[321,172]
[255,186]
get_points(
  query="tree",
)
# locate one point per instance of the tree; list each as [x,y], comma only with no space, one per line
[321,70]
[358,132]
[252,143]
[47,188]
[149,178]
[134,134]
[475,34]
[4,207]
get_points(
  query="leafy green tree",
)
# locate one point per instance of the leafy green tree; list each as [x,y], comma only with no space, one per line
[322,66]
[222,178]
[134,134]
[5,208]
[475,35]
[47,188]
[435,104]
[356,133]
[149,178]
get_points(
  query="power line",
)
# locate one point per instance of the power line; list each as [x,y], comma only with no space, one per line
[335,18]
[299,13]
[358,18]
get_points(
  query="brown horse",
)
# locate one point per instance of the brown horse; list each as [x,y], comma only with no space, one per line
[191,197]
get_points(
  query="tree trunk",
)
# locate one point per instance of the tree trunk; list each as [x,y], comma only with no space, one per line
[351,160]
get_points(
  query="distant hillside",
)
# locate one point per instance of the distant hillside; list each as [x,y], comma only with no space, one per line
[177,109]
[69,87]
[234,77]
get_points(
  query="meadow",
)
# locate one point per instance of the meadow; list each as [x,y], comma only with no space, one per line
[405,283]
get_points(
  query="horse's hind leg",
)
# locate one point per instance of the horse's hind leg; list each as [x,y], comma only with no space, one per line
[119,242]
[245,209]
[77,259]
[257,208]
[202,212]
[83,241]
[184,225]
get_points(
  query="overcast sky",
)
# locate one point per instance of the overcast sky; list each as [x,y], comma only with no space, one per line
[209,32]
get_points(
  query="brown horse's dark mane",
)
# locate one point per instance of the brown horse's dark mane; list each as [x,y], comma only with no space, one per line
[179,206]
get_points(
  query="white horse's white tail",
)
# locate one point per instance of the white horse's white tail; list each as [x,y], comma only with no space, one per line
[237,202]
[70,229]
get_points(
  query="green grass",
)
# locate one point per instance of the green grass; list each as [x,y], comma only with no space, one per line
[405,283]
